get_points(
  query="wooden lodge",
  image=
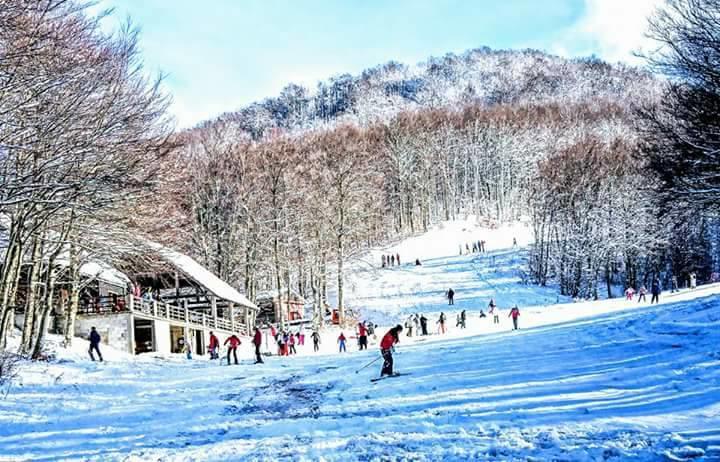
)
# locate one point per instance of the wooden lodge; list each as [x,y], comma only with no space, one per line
[269,307]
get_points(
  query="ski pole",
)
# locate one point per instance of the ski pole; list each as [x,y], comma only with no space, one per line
[366,365]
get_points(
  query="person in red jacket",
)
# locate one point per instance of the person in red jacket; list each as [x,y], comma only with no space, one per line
[362,336]
[213,346]
[234,342]
[257,341]
[387,345]
[514,314]
[341,342]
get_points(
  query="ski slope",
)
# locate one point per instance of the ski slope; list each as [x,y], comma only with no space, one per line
[606,380]
[631,384]
[390,295]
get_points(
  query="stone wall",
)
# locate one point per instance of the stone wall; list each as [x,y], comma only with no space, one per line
[113,329]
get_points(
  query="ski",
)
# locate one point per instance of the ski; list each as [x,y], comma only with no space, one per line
[397,374]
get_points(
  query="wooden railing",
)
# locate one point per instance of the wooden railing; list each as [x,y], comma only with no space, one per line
[160,310]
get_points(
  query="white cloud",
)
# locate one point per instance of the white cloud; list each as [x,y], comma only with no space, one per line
[610,29]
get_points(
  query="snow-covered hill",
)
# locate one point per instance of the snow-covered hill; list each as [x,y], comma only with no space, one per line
[389,295]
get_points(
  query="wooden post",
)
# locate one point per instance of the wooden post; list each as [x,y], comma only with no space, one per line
[154,308]
[187,311]
[232,318]
[131,303]
[131,331]
[213,309]
[247,320]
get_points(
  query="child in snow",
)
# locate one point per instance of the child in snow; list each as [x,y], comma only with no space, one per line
[387,345]
[301,336]
[341,342]
[514,314]
[213,346]
[629,293]
[641,297]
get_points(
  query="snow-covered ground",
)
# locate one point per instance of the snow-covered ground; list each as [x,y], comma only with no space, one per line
[607,380]
[389,295]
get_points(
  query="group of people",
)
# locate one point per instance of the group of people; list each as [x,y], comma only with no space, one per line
[477,247]
[390,260]
[656,289]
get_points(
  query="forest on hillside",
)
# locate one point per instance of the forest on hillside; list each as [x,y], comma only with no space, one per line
[614,167]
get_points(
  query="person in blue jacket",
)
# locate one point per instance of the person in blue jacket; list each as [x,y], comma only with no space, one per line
[94,344]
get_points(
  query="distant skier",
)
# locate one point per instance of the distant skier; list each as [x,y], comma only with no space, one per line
[409,326]
[213,346]
[234,341]
[185,348]
[341,342]
[451,296]
[371,330]
[94,344]
[463,319]
[397,259]
[642,293]
[467,248]
[655,290]
[482,314]
[475,247]
[316,341]
[441,323]
[301,336]
[629,293]
[257,341]
[417,262]
[291,344]
[392,260]
[693,280]
[383,261]
[514,243]
[387,345]
[514,314]
[416,322]
[482,246]
[674,285]
[362,336]
[423,324]
[493,311]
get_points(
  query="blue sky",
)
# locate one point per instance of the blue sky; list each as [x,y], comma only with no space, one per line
[220,55]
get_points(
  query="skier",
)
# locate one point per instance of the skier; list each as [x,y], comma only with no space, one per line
[482,246]
[467,248]
[475,247]
[397,259]
[514,314]
[214,345]
[257,341]
[316,341]
[362,336]
[693,280]
[281,345]
[674,285]
[514,243]
[463,318]
[94,344]
[441,323]
[383,261]
[234,341]
[371,330]
[392,260]
[341,342]
[423,324]
[451,296]
[409,326]
[301,336]
[493,311]
[629,293]
[417,262]
[387,345]
[457,320]
[482,314]
[655,289]
[416,322]
[291,344]
[642,293]
[286,340]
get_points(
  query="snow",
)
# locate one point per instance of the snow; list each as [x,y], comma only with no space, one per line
[102,271]
[606,380]
[201,275]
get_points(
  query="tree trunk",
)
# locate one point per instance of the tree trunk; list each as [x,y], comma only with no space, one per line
[74,295]
[34,281]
